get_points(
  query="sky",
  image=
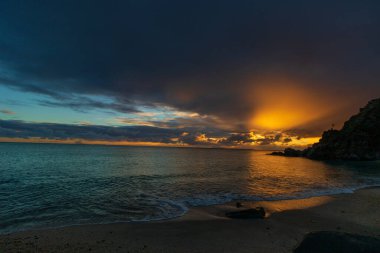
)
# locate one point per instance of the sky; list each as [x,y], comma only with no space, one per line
[238,74]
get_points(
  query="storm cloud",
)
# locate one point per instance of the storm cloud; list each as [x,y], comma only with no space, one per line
[206,57]
[145,134]
[21,129]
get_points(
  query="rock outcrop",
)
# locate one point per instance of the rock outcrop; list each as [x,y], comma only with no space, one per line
[359,139]
[253,213]
[337,242]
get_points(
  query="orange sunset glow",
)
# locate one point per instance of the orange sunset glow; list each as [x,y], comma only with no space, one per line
[283,105]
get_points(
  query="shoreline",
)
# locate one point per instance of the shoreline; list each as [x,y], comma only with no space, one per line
[227,206]
[206,229]
[271,206]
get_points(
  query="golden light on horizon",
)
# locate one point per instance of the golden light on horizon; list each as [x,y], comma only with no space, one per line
[275,118]
[306,141]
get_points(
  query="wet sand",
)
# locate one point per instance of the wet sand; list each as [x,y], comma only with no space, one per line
[206,229]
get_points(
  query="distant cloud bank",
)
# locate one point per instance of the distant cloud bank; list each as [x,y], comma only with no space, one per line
[188,136]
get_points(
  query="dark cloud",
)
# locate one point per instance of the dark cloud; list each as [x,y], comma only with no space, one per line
[191,55]
[192,139]
[246,138]
[83,104]
[14,128]
[22,129]
[208,123]
[269,139]
[238,139]
[203,136]
[8,112]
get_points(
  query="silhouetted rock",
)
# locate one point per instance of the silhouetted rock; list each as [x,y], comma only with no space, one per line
[254,213]
[278,153]
[359,139]
[338,242]
[290,152]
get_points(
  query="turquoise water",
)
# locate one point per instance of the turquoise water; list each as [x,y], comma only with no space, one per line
[50,185]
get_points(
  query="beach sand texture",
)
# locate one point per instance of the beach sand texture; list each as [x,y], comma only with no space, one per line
[206,229]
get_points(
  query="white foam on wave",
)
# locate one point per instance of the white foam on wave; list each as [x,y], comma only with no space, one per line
[180,209]
[182,205]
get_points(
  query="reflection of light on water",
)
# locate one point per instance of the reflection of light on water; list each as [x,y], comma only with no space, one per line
[282,176]
[283,205]
[113,184]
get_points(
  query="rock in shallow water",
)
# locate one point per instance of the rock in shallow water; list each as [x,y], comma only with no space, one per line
[254,213]
[338,242]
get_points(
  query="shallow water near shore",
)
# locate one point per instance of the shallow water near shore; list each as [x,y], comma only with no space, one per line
[50,185]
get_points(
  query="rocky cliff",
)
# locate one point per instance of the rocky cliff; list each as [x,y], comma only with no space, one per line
[359,139]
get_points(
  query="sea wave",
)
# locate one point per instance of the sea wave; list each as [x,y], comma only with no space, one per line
[184,204]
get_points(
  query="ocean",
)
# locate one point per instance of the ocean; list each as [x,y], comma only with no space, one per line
[53,185]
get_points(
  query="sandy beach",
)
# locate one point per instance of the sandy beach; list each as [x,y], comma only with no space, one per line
[206,229]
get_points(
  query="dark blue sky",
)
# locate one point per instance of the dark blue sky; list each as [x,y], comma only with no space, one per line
[156,63]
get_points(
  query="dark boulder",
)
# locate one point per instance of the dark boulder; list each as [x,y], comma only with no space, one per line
[292,152]
[289,152]
[253,213]
[278,153]
[338,242]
